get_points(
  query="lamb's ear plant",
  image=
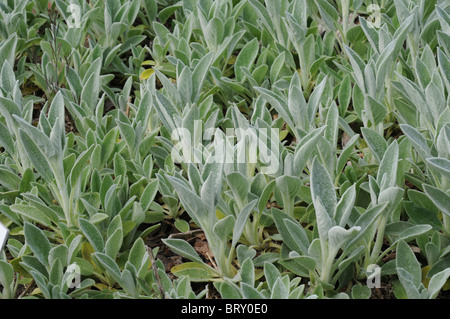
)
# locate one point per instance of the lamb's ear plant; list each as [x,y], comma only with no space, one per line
[275,286]
[318,257]
[45,146]
[12,103]
[372,90]
[137,277]
[114,123]
[200,202]
[410,275]
[53,267]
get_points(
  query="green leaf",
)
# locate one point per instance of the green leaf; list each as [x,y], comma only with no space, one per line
[197,271]
[239,185]
[338,237]
[279,290]
[329,14]
[91,86]
[322,187]
[361,292]
[109,264]
[346,153]
[315,98]
[224,226]
[227,290]
[114,243]
[183,248]
[407,260]
[38,242]
[75,173]
[289,186]
[375,141]
[418,141]
[92,234]
[148,195]
[38,160]
[441,165]
[378,111]
[422,215]
[120,166]
[248,292]
[271,274]
[323,220]
[293,234]
[407,282]
[6,140]
[365,221]
[276,67]
[439,198]
[243,252]
[413,232]
[32,213]
[138,254]
[332,120]
[8,179]
[128,134]
[305,150]
[241,221]
[247,272]
[358,66]
[199,75]
[6,278]
[345,206]
[437,282]
[246,58]
[265,196]
[279,103]
[8,49]
[387,173]
[190,201]
[182,225]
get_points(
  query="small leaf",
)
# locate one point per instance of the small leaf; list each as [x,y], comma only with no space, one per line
[146,74]
[407,260]
[182,225]
[361,292]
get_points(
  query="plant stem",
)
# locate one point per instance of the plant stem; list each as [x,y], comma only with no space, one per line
[379,241]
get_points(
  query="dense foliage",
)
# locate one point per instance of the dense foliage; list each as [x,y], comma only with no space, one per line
[336,174]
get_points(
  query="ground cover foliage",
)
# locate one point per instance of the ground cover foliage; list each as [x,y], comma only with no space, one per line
[347,188]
